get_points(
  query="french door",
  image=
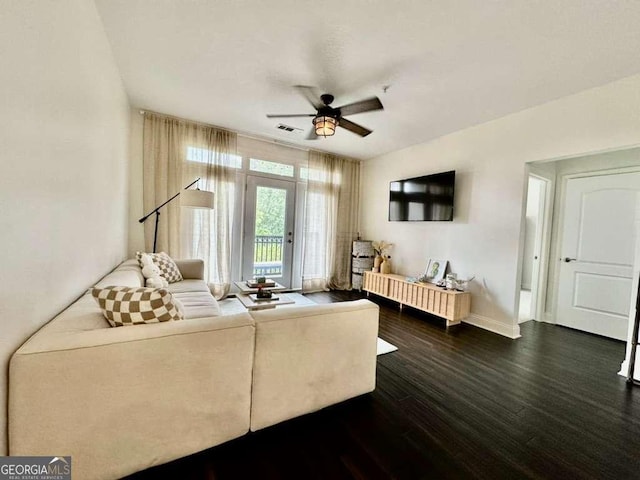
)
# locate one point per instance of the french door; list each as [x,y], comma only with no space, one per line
[268,229]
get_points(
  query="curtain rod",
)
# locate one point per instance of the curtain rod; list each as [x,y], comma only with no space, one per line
[250,135]
[240,133]
[180,119]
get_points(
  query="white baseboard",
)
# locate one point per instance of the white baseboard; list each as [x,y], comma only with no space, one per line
[624,369]
[510,331]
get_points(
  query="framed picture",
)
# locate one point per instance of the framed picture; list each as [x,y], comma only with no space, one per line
[436,270]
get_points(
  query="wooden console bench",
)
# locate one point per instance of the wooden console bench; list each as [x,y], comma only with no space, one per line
[451,305]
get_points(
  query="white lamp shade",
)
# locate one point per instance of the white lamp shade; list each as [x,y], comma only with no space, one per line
[196,199]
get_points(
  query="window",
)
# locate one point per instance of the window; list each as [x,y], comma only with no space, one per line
[274,168]
[202,155]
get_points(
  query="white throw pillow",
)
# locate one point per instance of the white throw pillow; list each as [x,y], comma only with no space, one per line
[168,268]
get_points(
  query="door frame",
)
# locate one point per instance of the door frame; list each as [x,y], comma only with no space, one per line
[544,229]
[289,243]
[543,235]
[564,179]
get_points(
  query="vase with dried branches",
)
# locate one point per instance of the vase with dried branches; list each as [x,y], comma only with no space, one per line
[381,262]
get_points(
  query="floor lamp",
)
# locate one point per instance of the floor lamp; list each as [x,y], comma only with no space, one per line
[190,198]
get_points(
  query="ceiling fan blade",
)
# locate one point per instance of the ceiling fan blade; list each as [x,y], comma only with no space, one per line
[354,127]
[367,105]
[292,115]
[312,134]
[311,94]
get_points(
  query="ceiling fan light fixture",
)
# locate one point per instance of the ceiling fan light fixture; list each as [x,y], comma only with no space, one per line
[325,126]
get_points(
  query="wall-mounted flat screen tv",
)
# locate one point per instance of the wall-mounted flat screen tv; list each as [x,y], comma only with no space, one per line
[422,199]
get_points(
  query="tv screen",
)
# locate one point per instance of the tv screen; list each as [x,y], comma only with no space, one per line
[422,199]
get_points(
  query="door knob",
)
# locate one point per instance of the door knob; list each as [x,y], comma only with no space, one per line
[567,259]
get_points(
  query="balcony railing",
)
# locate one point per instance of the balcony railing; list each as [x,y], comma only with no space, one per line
[267,260]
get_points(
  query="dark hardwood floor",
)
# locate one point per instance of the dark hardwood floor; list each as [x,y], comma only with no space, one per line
[457,403]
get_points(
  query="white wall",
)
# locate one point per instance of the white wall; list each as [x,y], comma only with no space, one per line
[485,237]
[136,176]
[63,165]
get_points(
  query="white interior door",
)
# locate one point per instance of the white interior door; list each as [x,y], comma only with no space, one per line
[598,241]
[268,229]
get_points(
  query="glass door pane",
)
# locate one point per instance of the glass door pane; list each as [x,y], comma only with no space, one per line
[269,231]
[268,239]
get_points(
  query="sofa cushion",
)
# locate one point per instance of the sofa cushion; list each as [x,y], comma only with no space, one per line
[198,304]
[168,268]
[312,356]
[123,306]
[127,274]
[189,286]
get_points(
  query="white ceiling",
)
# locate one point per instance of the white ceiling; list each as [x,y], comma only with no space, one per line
[450,64]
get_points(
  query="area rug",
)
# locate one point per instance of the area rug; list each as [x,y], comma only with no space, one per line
[385,347]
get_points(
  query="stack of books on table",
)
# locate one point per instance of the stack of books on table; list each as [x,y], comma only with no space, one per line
[256,298]
[266,284]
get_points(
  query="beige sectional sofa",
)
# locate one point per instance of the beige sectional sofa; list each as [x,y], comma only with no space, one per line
[119,400]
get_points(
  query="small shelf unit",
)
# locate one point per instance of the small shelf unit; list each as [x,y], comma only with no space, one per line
[362,255]
[451,305]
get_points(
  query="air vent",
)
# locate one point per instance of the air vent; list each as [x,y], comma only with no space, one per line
[288,128]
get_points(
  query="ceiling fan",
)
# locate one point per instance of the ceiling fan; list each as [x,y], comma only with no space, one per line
[327,118]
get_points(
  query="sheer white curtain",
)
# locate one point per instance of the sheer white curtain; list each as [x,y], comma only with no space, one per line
[176,152]
[331,221]
[162,163]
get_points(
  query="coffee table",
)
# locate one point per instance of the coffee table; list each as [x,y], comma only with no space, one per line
[250,304]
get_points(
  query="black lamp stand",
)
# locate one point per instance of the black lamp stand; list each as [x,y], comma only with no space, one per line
[157,212]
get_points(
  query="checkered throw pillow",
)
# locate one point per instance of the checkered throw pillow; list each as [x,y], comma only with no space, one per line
[123,306]
[168,268]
